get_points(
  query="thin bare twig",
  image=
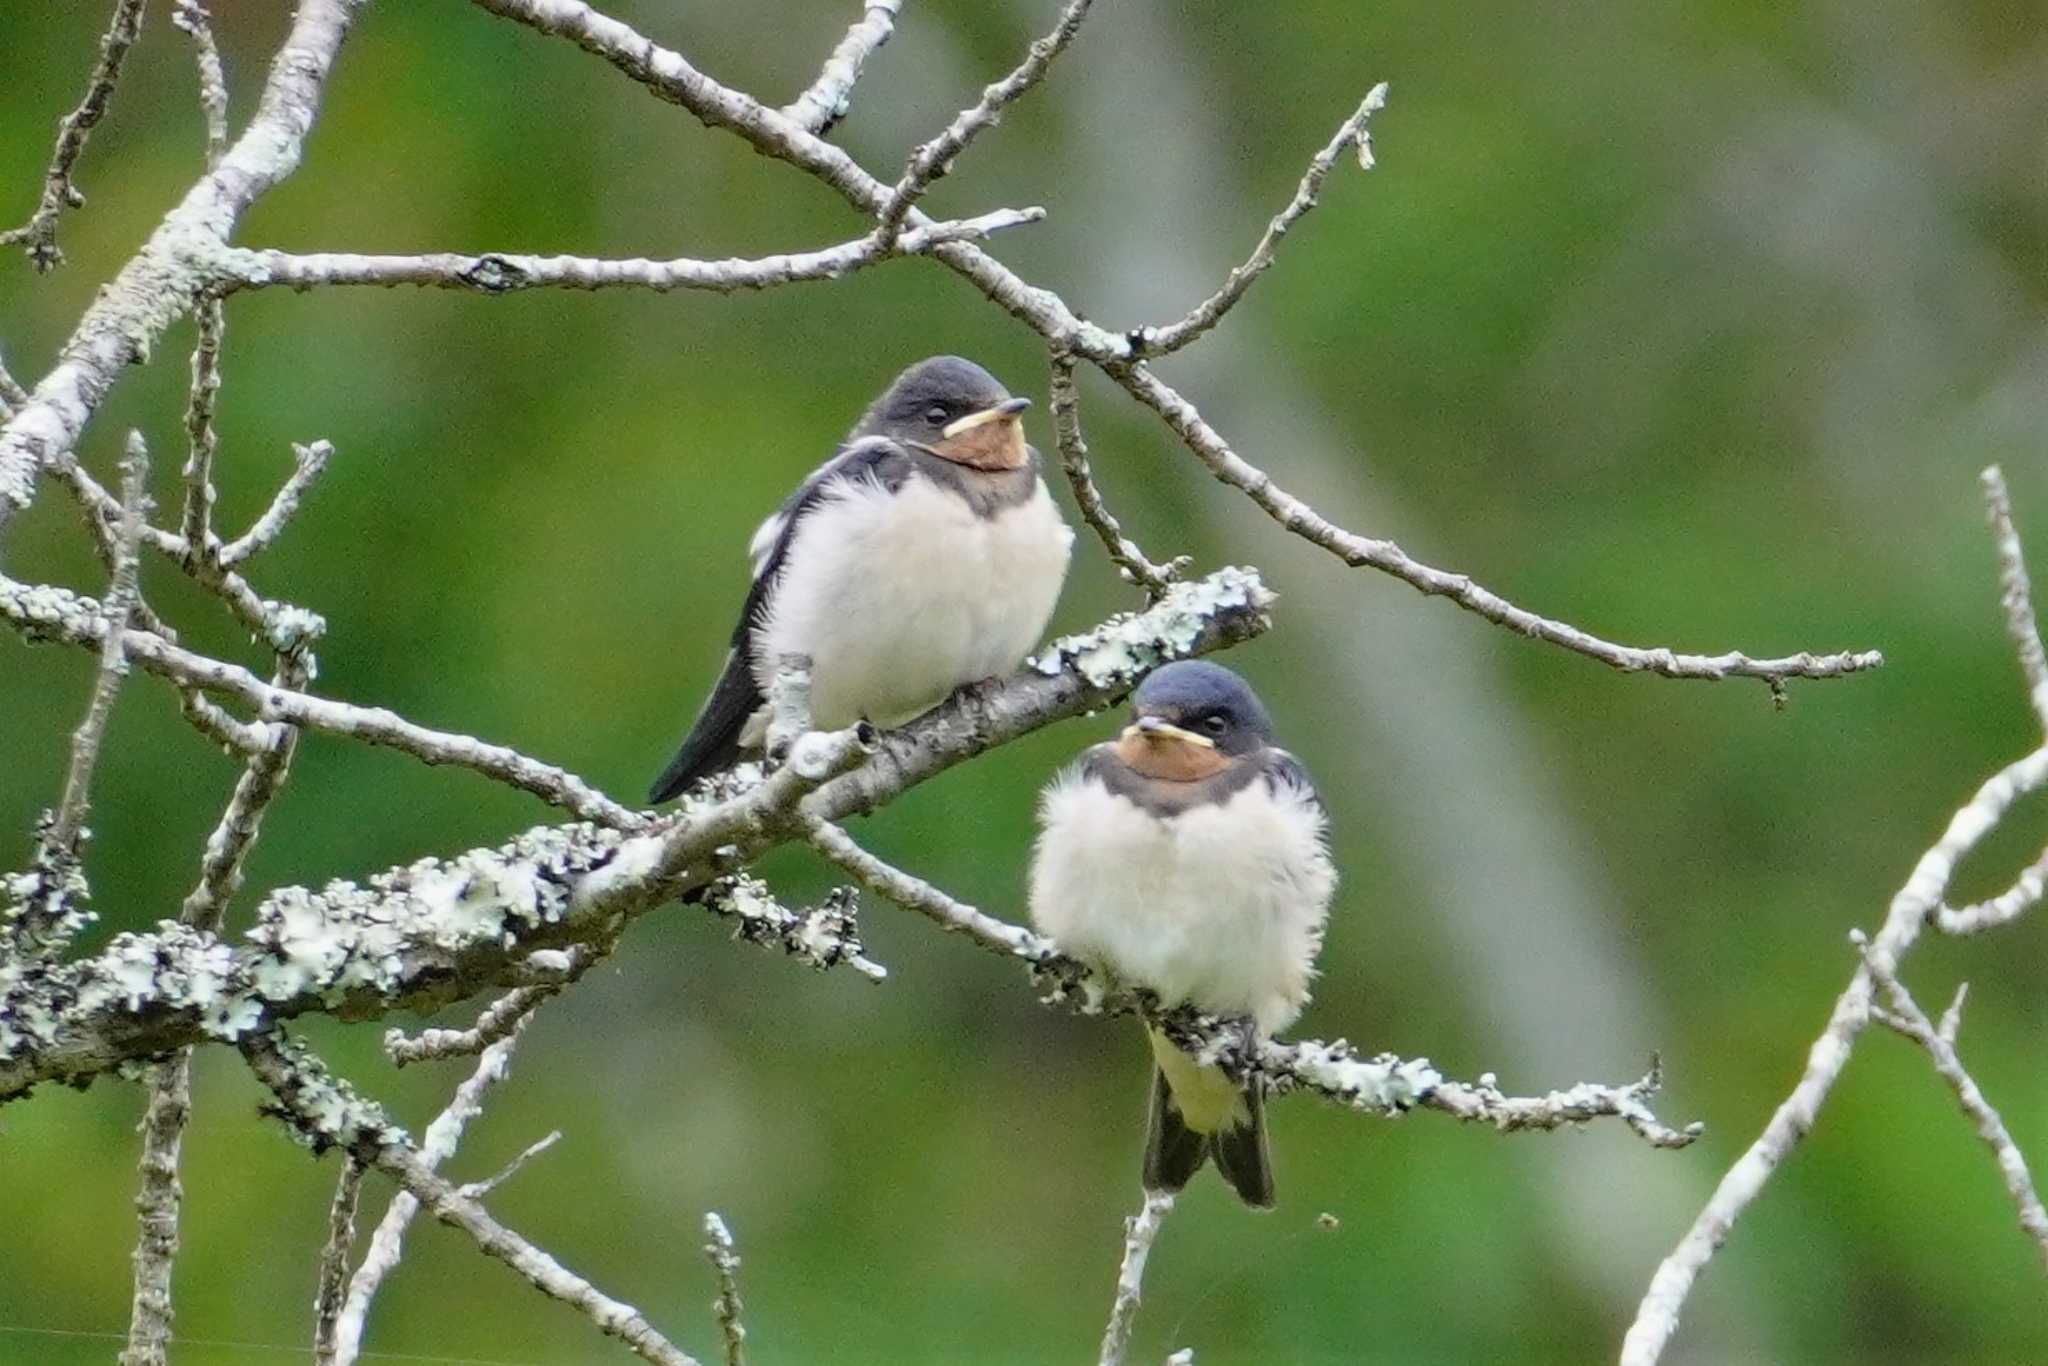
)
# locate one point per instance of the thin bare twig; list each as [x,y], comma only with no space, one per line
[499,1019]
[60,192]
[725,1265]
[2015,593]
[387,1243]
[1124,553]
[191,18]
[157,1205]
[2009,904]
[54,614]
[831,94]
[1369,553]
[933,159]
[324,1111]
[210,320]
[507,272]
[333,1278]
[85,741]
[1140,1230]
[477,1190]
[308,462]
[1354,131]
[669,75]
[1657,1316]
[1908,1019]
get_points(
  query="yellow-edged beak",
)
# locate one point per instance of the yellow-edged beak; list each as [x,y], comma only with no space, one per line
[992,439]
[1156,729]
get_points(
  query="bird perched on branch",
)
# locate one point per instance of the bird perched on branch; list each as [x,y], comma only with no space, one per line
[1187,856]
[925,554]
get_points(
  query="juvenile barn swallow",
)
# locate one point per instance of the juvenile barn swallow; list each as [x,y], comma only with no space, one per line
[1189,856]
[925,554]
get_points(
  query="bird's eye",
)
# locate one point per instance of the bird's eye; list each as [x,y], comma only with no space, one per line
[1215,724]
[935,415]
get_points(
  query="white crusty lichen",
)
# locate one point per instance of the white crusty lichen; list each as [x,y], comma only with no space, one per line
[823,936]
[1126,646]
[1384,1083]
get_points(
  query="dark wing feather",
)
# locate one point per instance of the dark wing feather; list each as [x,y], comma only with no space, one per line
[1283,768]
[713,743]
[1173,1151]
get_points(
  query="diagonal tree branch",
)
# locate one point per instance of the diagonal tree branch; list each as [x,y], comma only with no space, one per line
[59,190]
[323,1112]
[1353,132]
[831,95]
[510,272]
[192,19]
[1906,1017]
[1140,1230]
[1124,553]
[934,158]
[161,282]
[2016,593]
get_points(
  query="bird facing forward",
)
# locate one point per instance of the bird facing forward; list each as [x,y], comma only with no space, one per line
[1188,856]
[925,554]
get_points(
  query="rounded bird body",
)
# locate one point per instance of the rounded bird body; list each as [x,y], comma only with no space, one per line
[1188,857]
[926,554]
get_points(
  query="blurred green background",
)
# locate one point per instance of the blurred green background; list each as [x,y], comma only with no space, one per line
[1689,323]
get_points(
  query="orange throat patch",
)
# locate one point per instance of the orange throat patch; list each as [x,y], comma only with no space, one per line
[997,444]
[1169,757]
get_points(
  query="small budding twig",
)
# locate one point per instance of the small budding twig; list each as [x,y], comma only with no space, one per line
[932,159]
[191,18]
[332,1285]
[60,192]
[1140,1230]
[725,1265]
[309,461]
[210,320]
[1354,131]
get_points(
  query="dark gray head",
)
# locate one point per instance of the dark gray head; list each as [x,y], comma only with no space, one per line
[1195,705]
[955,410]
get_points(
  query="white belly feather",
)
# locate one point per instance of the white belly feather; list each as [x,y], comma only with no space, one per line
[901,598]
[1221,907]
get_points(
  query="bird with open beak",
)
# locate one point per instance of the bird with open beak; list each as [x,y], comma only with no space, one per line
[925,554]
[1188,856]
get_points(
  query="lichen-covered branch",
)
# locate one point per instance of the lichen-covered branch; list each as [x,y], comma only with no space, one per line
[324,1112]
[60,192]
[331,1284]
[192,19]
[1384,1084]
[387,1242]
[163,280]
[211,321]
[725,1266]
[445,930]
[157,1205]
[1140,1231]
[48,613]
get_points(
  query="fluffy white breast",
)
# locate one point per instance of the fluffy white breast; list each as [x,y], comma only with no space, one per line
[899,598]
[1221,906]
